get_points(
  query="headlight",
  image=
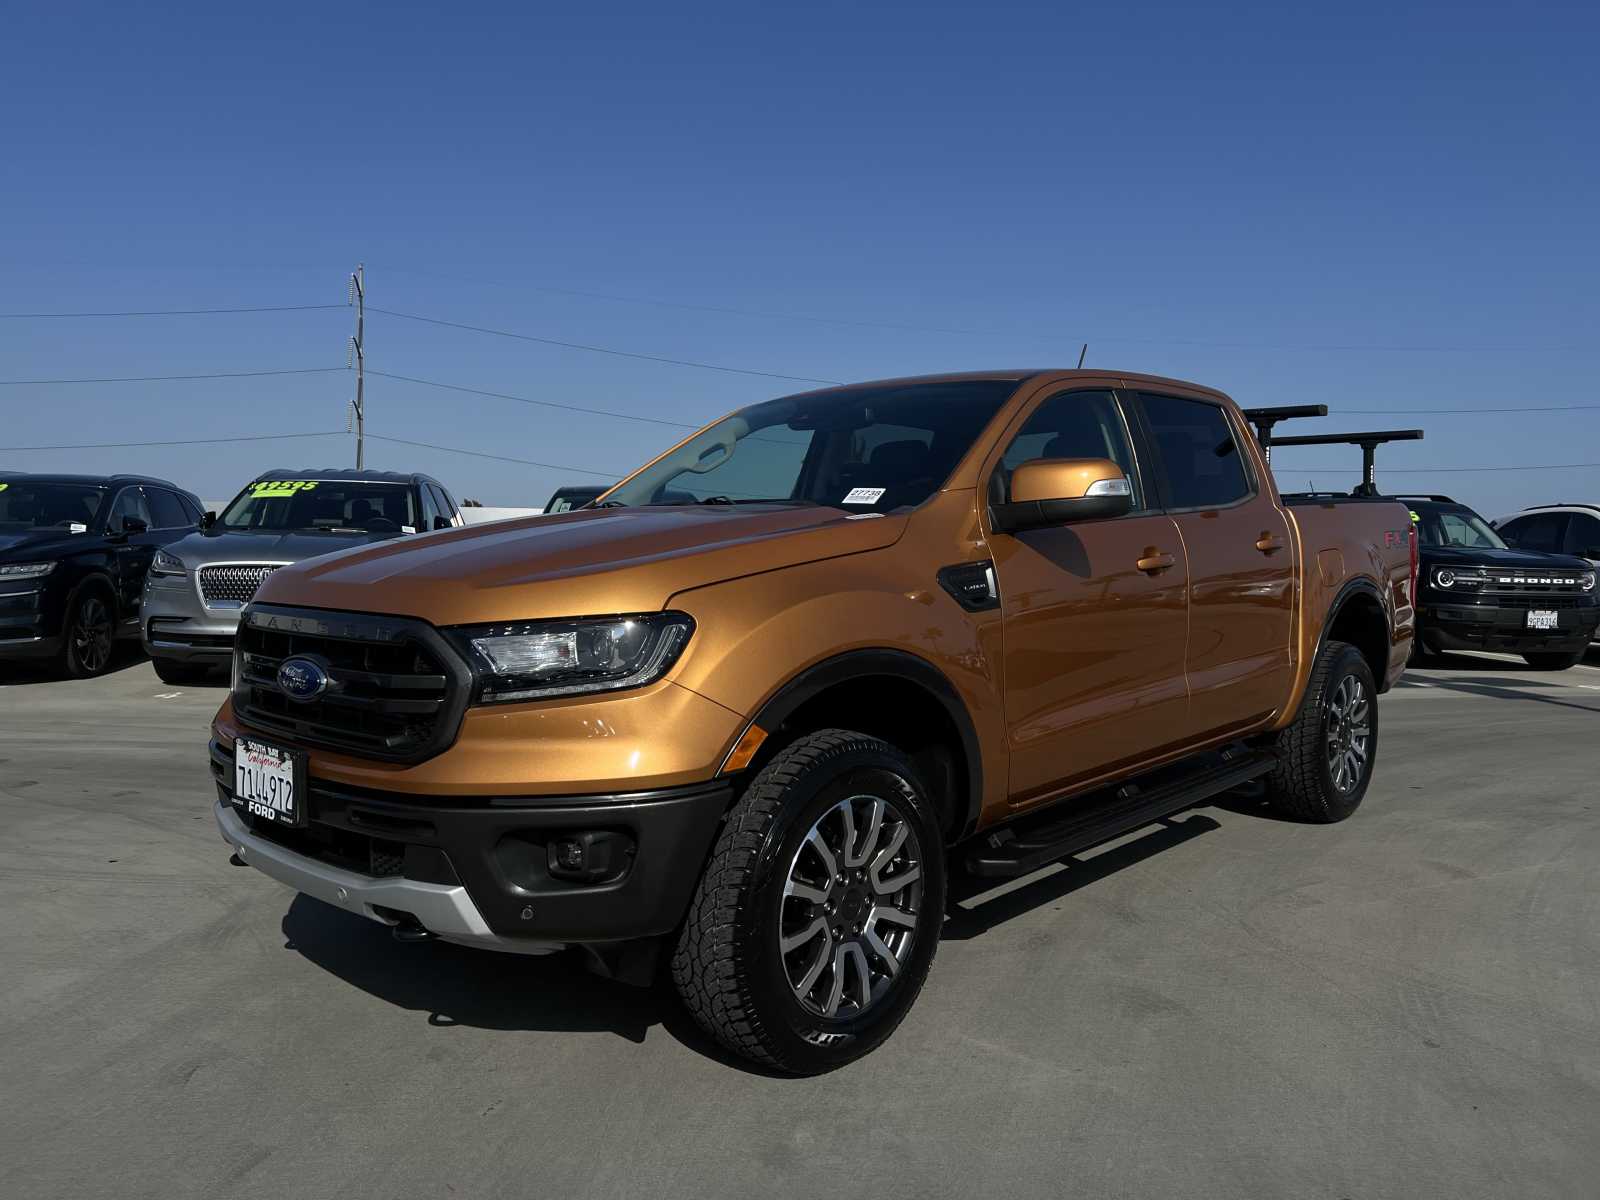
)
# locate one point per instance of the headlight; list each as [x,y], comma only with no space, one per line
[25,570]
[167,564]
[1445,578]
[1586,581]
[535,659]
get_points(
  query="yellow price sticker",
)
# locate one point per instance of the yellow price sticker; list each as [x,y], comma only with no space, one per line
[281,487]
[1415,520]
[4,486]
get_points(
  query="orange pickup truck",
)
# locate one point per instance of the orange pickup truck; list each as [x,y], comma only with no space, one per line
[739,716]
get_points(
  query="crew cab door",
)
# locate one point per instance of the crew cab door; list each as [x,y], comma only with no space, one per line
[1241,567]
[1093,641]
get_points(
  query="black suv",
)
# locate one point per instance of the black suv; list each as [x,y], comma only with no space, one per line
[1476,593]
[74,550]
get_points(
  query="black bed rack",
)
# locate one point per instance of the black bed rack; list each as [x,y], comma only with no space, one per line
[1265,418]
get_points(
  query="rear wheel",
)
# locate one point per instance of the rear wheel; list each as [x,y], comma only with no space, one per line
[1554,662]
[817,919]
[89,636]
[1326,756]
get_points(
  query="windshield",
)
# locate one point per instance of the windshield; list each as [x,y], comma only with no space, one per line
[28,505]
[1457,526]
[863,449]
[322,506]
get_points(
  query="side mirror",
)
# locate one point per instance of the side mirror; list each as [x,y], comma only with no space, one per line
[134,524]
[207,521]
[1056,491]
[441,522]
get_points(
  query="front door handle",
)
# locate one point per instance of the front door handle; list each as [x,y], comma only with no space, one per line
[1154,563]
[1269,543]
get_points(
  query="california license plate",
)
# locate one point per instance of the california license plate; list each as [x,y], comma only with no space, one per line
[267,781]
[1541,618]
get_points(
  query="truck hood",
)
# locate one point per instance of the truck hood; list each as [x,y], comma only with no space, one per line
[586,563]
[1454,556]
[42,544]
[265,545]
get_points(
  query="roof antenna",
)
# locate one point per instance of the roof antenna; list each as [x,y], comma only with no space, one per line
[1081,353]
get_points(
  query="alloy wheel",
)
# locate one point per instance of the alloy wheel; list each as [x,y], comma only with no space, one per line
[92,636]
[1348,729]
[850,908]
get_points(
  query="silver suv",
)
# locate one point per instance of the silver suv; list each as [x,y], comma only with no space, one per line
[1555,528]
[197,586]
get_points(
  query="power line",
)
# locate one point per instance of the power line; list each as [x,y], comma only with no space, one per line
[545,341]
[1459,411]
[1392,470]
[264,437]
[812,318]
[166,312]
[526,462]
[598,412]
[172,378]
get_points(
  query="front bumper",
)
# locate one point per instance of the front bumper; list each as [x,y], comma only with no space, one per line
[29,618]
[476,870]
[1462,624]
[175,625]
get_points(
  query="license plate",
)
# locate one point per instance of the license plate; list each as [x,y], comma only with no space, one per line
[267,781]
[1541,618]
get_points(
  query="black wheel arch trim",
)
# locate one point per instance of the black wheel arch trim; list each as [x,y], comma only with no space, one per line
[1347,593]
[884,663]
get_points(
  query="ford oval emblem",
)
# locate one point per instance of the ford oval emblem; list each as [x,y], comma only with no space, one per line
[301,679]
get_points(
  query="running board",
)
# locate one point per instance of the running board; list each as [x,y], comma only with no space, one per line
[1033,842]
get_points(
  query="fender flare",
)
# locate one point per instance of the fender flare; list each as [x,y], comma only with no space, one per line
[897,664]
[1347,593]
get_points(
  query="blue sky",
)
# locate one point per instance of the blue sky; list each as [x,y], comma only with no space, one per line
[1377,208]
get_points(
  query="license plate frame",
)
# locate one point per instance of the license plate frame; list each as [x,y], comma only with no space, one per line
[261,771]
[1545,619]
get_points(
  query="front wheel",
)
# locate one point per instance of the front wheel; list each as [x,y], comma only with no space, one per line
[1554,662]
[89,637]
[1325,758]
[817,919]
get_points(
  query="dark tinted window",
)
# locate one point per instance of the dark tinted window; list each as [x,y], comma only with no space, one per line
[166,510]
[193,510]
[1453,525]
[441,498]
[1583,535]
[25,504]
[130,503]
[430,507]
[323,505]
[1069,425]
[1541,531]
[1197,447]
[863,449]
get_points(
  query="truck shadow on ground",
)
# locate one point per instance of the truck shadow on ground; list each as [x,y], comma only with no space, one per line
[455,986]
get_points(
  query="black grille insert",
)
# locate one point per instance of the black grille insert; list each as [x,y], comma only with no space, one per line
[396,690]
[235,584]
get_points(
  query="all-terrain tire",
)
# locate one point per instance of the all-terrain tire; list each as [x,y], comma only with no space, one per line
[1304,784]
[728,966]
[1554,661]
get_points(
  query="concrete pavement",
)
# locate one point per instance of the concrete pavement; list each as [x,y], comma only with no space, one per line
[1403,1005]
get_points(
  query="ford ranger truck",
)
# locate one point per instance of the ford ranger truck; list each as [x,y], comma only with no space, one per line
[740,719]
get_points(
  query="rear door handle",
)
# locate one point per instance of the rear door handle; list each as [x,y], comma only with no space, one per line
[1154,564]
[1268,543]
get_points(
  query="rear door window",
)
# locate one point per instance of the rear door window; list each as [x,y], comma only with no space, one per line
[1200,457]
[1583,535]
[1541,531]
[442,500]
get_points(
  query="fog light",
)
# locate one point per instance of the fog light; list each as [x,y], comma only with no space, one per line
[593,856]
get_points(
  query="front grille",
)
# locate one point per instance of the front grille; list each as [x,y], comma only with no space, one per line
[396,690]
[233,584]
[1532,583]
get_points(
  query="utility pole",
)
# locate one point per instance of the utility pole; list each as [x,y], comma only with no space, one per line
[358,297]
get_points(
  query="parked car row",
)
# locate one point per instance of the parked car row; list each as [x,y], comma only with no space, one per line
[87,561]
